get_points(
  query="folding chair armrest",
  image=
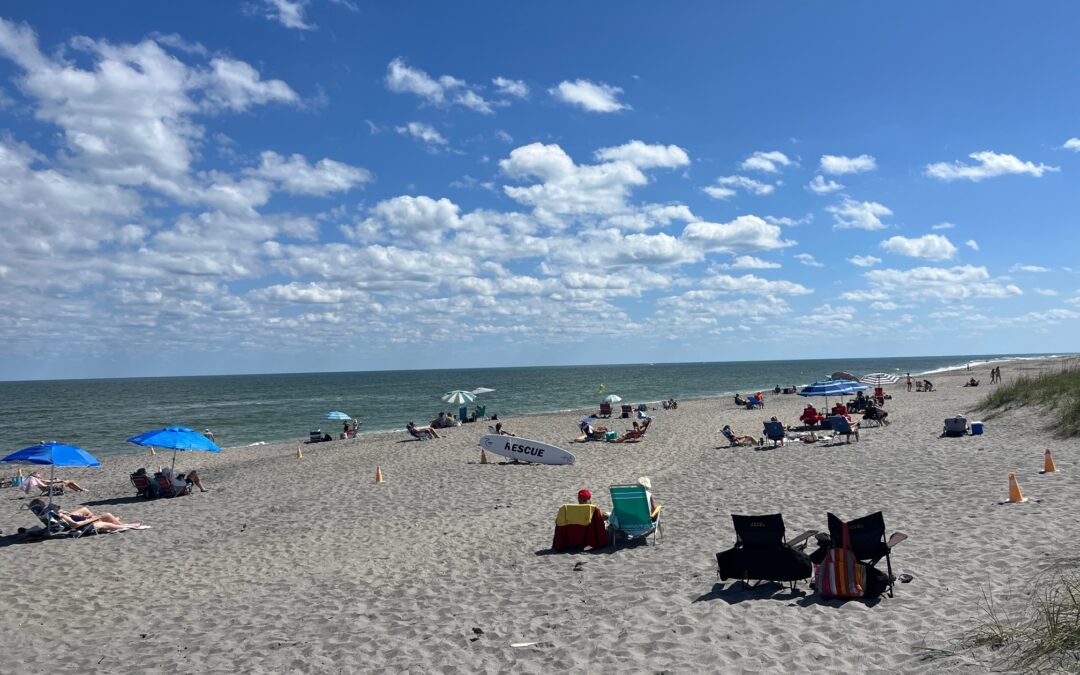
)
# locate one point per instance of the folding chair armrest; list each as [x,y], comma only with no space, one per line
[656,511]
[896,538]
[799,542]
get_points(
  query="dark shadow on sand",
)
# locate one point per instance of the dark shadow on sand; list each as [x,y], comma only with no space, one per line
[735,591]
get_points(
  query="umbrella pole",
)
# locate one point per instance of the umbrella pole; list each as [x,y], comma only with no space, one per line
[173,469]
[52,477]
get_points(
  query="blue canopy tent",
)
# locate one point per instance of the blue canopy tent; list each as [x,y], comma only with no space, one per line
[175,438]
[52,454]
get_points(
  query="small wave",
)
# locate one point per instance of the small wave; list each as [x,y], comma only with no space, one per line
[251,445]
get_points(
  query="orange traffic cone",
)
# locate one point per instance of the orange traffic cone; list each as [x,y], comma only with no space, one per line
[378,474]
[1048,463]
[299,453]
[483,456]
[1015,496]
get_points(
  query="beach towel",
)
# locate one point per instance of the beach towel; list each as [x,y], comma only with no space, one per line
[578,526]
[840,575]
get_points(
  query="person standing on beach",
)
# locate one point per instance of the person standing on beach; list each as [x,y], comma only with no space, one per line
[909,381]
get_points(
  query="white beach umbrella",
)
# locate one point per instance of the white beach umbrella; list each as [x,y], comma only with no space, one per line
[482,390]
[612,398]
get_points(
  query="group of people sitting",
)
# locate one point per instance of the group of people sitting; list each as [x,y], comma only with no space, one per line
[870,407]
[670,404]
[924,385]
[443,421]
[751,402]
[598,433]
[577,528]
[165,484]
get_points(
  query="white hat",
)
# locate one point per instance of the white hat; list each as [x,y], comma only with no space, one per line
[644,480]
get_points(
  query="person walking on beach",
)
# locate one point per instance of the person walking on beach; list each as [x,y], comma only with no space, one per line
[909,381]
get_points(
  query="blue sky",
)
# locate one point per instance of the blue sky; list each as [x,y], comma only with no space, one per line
[275,185]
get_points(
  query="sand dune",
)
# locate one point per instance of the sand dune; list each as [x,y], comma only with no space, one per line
[310,566]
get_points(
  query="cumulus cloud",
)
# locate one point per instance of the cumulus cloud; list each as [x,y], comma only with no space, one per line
[808,260]
[508,87]
[972,244]
[942,226]
[749,262]
[591,96]
[864,260]
[1072,144]
[839,165]
[1028,268]
[821,186]
[939,283]
[727,186]
[744,234]
[930,247]
[769,162]
[1046,292]
[289,13]
[422,132]
[751,284]
[645,156]
[297,176]
[990,164]
[860,215]
[442,91]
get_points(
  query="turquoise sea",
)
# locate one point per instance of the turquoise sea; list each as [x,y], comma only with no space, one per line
[248,409]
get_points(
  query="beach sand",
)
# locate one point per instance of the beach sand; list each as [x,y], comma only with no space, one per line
[310,566]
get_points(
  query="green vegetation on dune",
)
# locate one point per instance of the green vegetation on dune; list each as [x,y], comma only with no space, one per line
[1056,394]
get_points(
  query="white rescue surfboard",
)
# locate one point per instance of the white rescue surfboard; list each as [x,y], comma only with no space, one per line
[524,450]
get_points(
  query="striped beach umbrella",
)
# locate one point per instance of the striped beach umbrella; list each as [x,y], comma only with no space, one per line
[829,388]
[336,415]
[879,379]
[459,397]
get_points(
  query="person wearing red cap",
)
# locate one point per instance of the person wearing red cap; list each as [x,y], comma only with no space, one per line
[585,497]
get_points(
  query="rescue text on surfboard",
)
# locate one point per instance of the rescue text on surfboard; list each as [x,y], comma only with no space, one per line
[524,449]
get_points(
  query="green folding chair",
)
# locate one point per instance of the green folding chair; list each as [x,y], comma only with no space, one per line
[631,515]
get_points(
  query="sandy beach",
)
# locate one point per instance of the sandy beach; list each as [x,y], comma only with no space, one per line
[309,566]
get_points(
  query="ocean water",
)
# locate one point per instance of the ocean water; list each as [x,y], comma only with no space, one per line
[99,415]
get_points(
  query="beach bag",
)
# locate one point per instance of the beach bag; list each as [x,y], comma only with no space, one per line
[840,575]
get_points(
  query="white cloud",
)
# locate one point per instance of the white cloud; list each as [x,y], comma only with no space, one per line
[237,86]
[422,132]
[939,283]
[839,165]
[769,162]
[790,222]
[820,186]
[503,136]
[930,247]
[1072,144]
[591,96]
[972,244]
[859,215]
[420,219]
[864,260]
[942,226]
[1047,292]
[441,92]
[749,262]
[645,156]
[508,87]
[884,306]
[750,284]
[1028,268]
[289,13]
[298,177]
[808,260]
[990,164]
[745,233]
[727,186]
[567,188]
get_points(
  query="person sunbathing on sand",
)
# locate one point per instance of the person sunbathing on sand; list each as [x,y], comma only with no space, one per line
[34,480]
[184,480]
[418,432]
[82,516]
[737,440]
[637,432]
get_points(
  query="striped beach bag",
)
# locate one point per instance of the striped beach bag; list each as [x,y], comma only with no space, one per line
[840,575]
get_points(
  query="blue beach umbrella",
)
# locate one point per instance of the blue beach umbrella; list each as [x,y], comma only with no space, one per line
[52,454]
[336,415]
[175,438]
[829,388]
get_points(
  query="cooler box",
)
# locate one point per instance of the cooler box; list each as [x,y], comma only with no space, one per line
[976,428]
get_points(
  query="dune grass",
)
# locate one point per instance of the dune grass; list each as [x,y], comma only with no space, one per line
[1055,392]
[1044,637]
